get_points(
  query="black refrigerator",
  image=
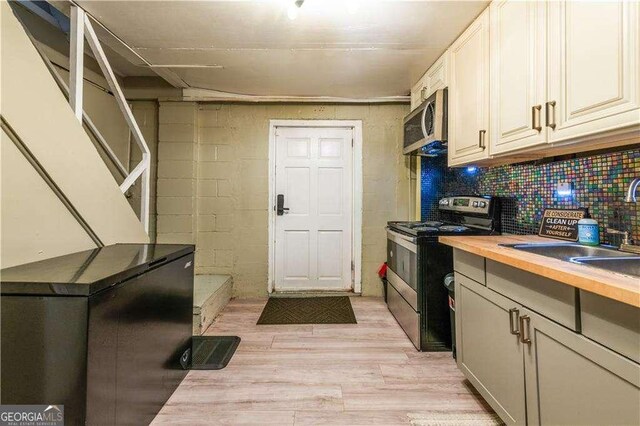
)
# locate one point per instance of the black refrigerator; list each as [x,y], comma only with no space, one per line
[101,331]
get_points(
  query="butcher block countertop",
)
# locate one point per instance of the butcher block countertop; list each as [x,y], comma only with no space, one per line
[614,286]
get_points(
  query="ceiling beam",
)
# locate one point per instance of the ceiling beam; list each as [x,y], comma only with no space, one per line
[206,95]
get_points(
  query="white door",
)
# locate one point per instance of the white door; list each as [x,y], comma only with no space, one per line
[314,174]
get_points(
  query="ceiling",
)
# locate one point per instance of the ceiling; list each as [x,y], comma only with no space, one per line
[253,48]
[54,38]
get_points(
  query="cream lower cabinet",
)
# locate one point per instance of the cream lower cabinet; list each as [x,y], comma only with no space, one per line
[468,134]
[534,371]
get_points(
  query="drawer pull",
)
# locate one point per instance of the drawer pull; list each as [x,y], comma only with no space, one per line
[550,112]
[481,143]
[525,337]
[513,315]
[535,118]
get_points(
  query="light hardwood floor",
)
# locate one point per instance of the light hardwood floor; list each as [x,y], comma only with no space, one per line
[356,374]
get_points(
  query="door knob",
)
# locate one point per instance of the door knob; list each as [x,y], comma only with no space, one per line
[280,208]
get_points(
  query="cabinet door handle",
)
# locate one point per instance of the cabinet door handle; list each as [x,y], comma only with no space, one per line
[525,337]
[513,315]
[550,112]
[535,118]
[481,134]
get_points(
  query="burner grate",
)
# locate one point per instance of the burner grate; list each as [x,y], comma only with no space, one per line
[426,229]
[453,228]
[433,224]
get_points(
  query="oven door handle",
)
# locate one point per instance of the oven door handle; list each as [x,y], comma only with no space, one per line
[403,240]
[401,236]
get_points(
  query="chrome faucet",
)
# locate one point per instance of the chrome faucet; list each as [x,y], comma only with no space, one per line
[628,244]
[631,191]
[626,238]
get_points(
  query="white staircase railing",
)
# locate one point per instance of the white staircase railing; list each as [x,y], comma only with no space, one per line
[62,84]
[82,28]
[142,169]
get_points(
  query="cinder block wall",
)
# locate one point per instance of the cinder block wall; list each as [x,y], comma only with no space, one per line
[177,167]
[213,183]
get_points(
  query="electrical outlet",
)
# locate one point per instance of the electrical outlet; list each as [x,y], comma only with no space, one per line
[564,189]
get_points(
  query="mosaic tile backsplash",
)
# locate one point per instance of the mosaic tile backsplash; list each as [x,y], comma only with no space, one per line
[599,183]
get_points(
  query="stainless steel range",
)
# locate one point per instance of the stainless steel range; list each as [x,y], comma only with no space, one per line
[417,264]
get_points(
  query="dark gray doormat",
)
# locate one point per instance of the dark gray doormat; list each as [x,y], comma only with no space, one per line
[308,310]
[212,352]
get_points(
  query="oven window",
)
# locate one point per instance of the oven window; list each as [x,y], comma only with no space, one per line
[403,262]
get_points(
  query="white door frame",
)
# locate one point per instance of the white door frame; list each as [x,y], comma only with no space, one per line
[356,252]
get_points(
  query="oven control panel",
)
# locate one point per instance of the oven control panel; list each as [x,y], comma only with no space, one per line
[477,205]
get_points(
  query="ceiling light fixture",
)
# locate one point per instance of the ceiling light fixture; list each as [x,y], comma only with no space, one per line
[292,12]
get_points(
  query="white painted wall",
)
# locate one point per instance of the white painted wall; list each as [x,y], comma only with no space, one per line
[35,223]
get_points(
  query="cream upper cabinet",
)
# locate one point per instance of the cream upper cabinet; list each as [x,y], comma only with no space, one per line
[437,76]
[593,67]
[518,75]
[417,93]
[469,94]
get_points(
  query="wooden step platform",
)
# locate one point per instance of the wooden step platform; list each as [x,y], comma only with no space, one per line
[211,293]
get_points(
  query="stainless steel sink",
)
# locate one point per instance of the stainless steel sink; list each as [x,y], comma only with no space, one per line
[622,265]
[567,251]
[602,257]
